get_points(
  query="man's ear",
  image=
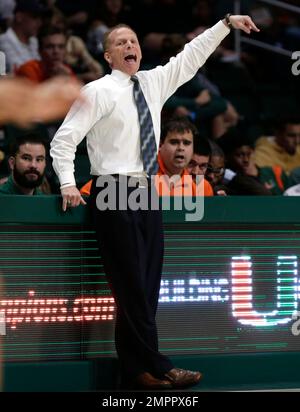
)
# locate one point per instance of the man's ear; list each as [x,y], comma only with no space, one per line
[107,57]
[11,162]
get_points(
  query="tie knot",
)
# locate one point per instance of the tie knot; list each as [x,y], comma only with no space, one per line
[134,79]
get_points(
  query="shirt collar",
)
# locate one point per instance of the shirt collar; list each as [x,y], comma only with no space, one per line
[120,76]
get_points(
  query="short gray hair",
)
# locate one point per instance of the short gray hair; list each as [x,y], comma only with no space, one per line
[105,42]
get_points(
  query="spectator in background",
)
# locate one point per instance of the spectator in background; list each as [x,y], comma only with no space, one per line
[19,42]
[251,179]
[200,159]
[215,172]
[52,45]
[199,163]
[27,162]
[77,55]
[282,150]
[175,153]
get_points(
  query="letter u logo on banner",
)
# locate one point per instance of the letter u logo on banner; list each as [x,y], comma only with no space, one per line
[242,292]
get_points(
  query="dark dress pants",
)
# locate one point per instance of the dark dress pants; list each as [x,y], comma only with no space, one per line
[131,246]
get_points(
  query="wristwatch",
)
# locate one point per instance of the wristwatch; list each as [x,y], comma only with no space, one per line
[227,19]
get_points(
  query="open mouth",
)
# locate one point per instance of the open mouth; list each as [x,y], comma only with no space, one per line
[131,58]
[179,157]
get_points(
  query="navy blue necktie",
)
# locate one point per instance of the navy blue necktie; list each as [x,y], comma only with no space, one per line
[148,143]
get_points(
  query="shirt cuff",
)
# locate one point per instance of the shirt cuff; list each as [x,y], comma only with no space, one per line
[220,30]
[67,179]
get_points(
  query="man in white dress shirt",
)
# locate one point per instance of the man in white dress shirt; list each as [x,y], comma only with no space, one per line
[131,241]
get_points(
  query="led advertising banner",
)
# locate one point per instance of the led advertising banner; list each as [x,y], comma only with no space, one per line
[225,289]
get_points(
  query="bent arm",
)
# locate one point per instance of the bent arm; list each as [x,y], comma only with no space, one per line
[80,119]
[185,65]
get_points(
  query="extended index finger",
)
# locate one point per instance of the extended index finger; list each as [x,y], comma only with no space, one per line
[64,204]
[253,25]
[82,201]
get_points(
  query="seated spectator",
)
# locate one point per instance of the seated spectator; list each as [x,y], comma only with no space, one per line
[77,55]
[52,46]
[19,42]
[282,150]
[199,163]
[251,179]
[175,153]
[27,162]
[200,159]
[215,172]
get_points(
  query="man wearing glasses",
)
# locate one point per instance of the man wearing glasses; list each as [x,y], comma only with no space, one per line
[209,163]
